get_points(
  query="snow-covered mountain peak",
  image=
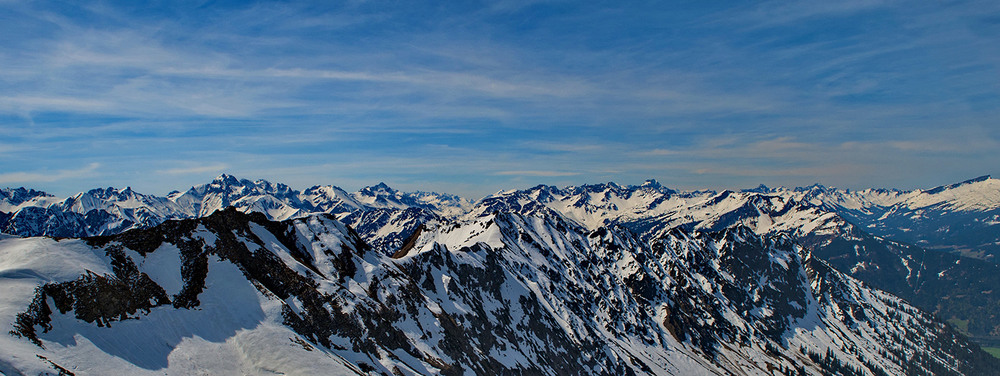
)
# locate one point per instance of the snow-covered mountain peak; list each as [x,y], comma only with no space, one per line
[232,185]
[521,289]
[277,201]
[979,194]
[109,193]
[609,187]
[20,194]
[380,188]
[274,188]
[645,207]
[229,183]
[384,197]
[330,199]
[12,199]
[227,180]
[380,194]
[649,183]
[759,189]
[114,200]
[540,193]
[959,184]
[816,188]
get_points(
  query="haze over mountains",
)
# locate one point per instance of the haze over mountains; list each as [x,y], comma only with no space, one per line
[597,279]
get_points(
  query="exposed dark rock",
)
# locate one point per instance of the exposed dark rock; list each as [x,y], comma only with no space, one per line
[551,290]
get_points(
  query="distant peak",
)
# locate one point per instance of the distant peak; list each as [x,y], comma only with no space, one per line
[651,185]
[21,194]
[759,189]
[100,191]
[956,185]
[226,179]
[380,187]
[543,187]
[814,187]
[23,190]
[266,185]
[601,186]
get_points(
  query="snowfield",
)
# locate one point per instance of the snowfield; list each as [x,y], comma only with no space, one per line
[233,293]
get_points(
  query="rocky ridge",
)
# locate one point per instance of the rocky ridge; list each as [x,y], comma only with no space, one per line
[505,293]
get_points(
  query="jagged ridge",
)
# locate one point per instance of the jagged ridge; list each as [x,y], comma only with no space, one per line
[503,294]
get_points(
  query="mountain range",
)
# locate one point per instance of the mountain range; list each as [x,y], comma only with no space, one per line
[596,279]
[962,217]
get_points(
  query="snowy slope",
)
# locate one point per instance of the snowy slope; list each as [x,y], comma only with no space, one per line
[650,208]
[960,216]
[236,328]
[12,199]
[386,229]
[833,222]
[111,211]
[330,199]
[277,201]
[381,196]
[963,216]
[979,194]
[505,293]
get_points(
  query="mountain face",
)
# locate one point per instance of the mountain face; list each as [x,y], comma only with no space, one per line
[385,229]
[962,217]
[111,211]
[861,233]
[504,293]
[824,220]
[13,199]
[950,286]
[648,209]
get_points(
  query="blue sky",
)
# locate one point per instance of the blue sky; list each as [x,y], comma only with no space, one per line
[470,98]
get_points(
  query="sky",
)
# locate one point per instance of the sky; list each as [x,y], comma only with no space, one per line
[474,97]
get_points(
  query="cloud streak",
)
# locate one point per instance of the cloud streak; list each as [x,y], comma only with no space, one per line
[536,173]
[484,97]
[48,176]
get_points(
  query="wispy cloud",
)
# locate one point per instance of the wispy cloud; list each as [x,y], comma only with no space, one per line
[48,176]
[503,93]
[659,152]
[536,173]
[19,104]
[774,13]
[550,146]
